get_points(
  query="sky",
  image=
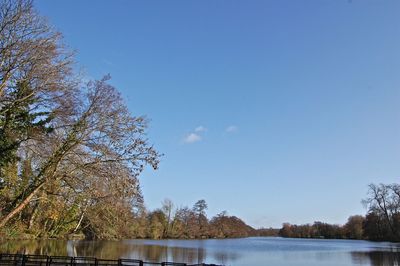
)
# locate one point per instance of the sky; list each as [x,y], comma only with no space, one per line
[275,111]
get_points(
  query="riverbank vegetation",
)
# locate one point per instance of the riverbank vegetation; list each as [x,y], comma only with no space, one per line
[190,223]
[381,223]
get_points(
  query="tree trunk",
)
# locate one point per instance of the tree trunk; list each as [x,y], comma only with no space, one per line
[21,206]
[53,163]
[33,217]
[80,220]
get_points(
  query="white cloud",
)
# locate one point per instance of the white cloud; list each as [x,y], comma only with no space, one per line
[231,129]
[200,129]
[195,136]
[192,138]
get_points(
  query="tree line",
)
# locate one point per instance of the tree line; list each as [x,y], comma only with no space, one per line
[381,223]
[190,223]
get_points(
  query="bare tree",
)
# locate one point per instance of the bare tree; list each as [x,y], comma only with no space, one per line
[100,150]
[168,208]
[35,76]
[62,144]
[384,202]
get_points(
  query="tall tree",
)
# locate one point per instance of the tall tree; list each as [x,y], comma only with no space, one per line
[168,208]
[200,208]
[69,151]
[354,227]
[98,152]
[383,203]
[35,75]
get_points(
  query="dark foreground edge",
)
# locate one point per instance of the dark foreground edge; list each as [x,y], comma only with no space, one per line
[43,260]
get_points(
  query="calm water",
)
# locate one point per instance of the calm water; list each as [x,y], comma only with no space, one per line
[246,251]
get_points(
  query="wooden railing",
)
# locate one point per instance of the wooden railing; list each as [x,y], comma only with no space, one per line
[43,260]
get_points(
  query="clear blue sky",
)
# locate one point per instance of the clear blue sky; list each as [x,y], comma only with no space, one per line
[276,111]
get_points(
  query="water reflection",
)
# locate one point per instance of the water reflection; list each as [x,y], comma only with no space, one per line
[225,257]
[135,249]
[238,252]
[376,258]
[39,247]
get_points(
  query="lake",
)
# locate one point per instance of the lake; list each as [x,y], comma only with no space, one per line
[251,251]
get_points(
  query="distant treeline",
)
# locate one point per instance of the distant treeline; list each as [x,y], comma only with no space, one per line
[381,223]
[189,223]
[353,229]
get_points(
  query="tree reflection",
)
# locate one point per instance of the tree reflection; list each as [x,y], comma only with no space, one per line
[377,258]
[107,250]
[225,257]
[35,247]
